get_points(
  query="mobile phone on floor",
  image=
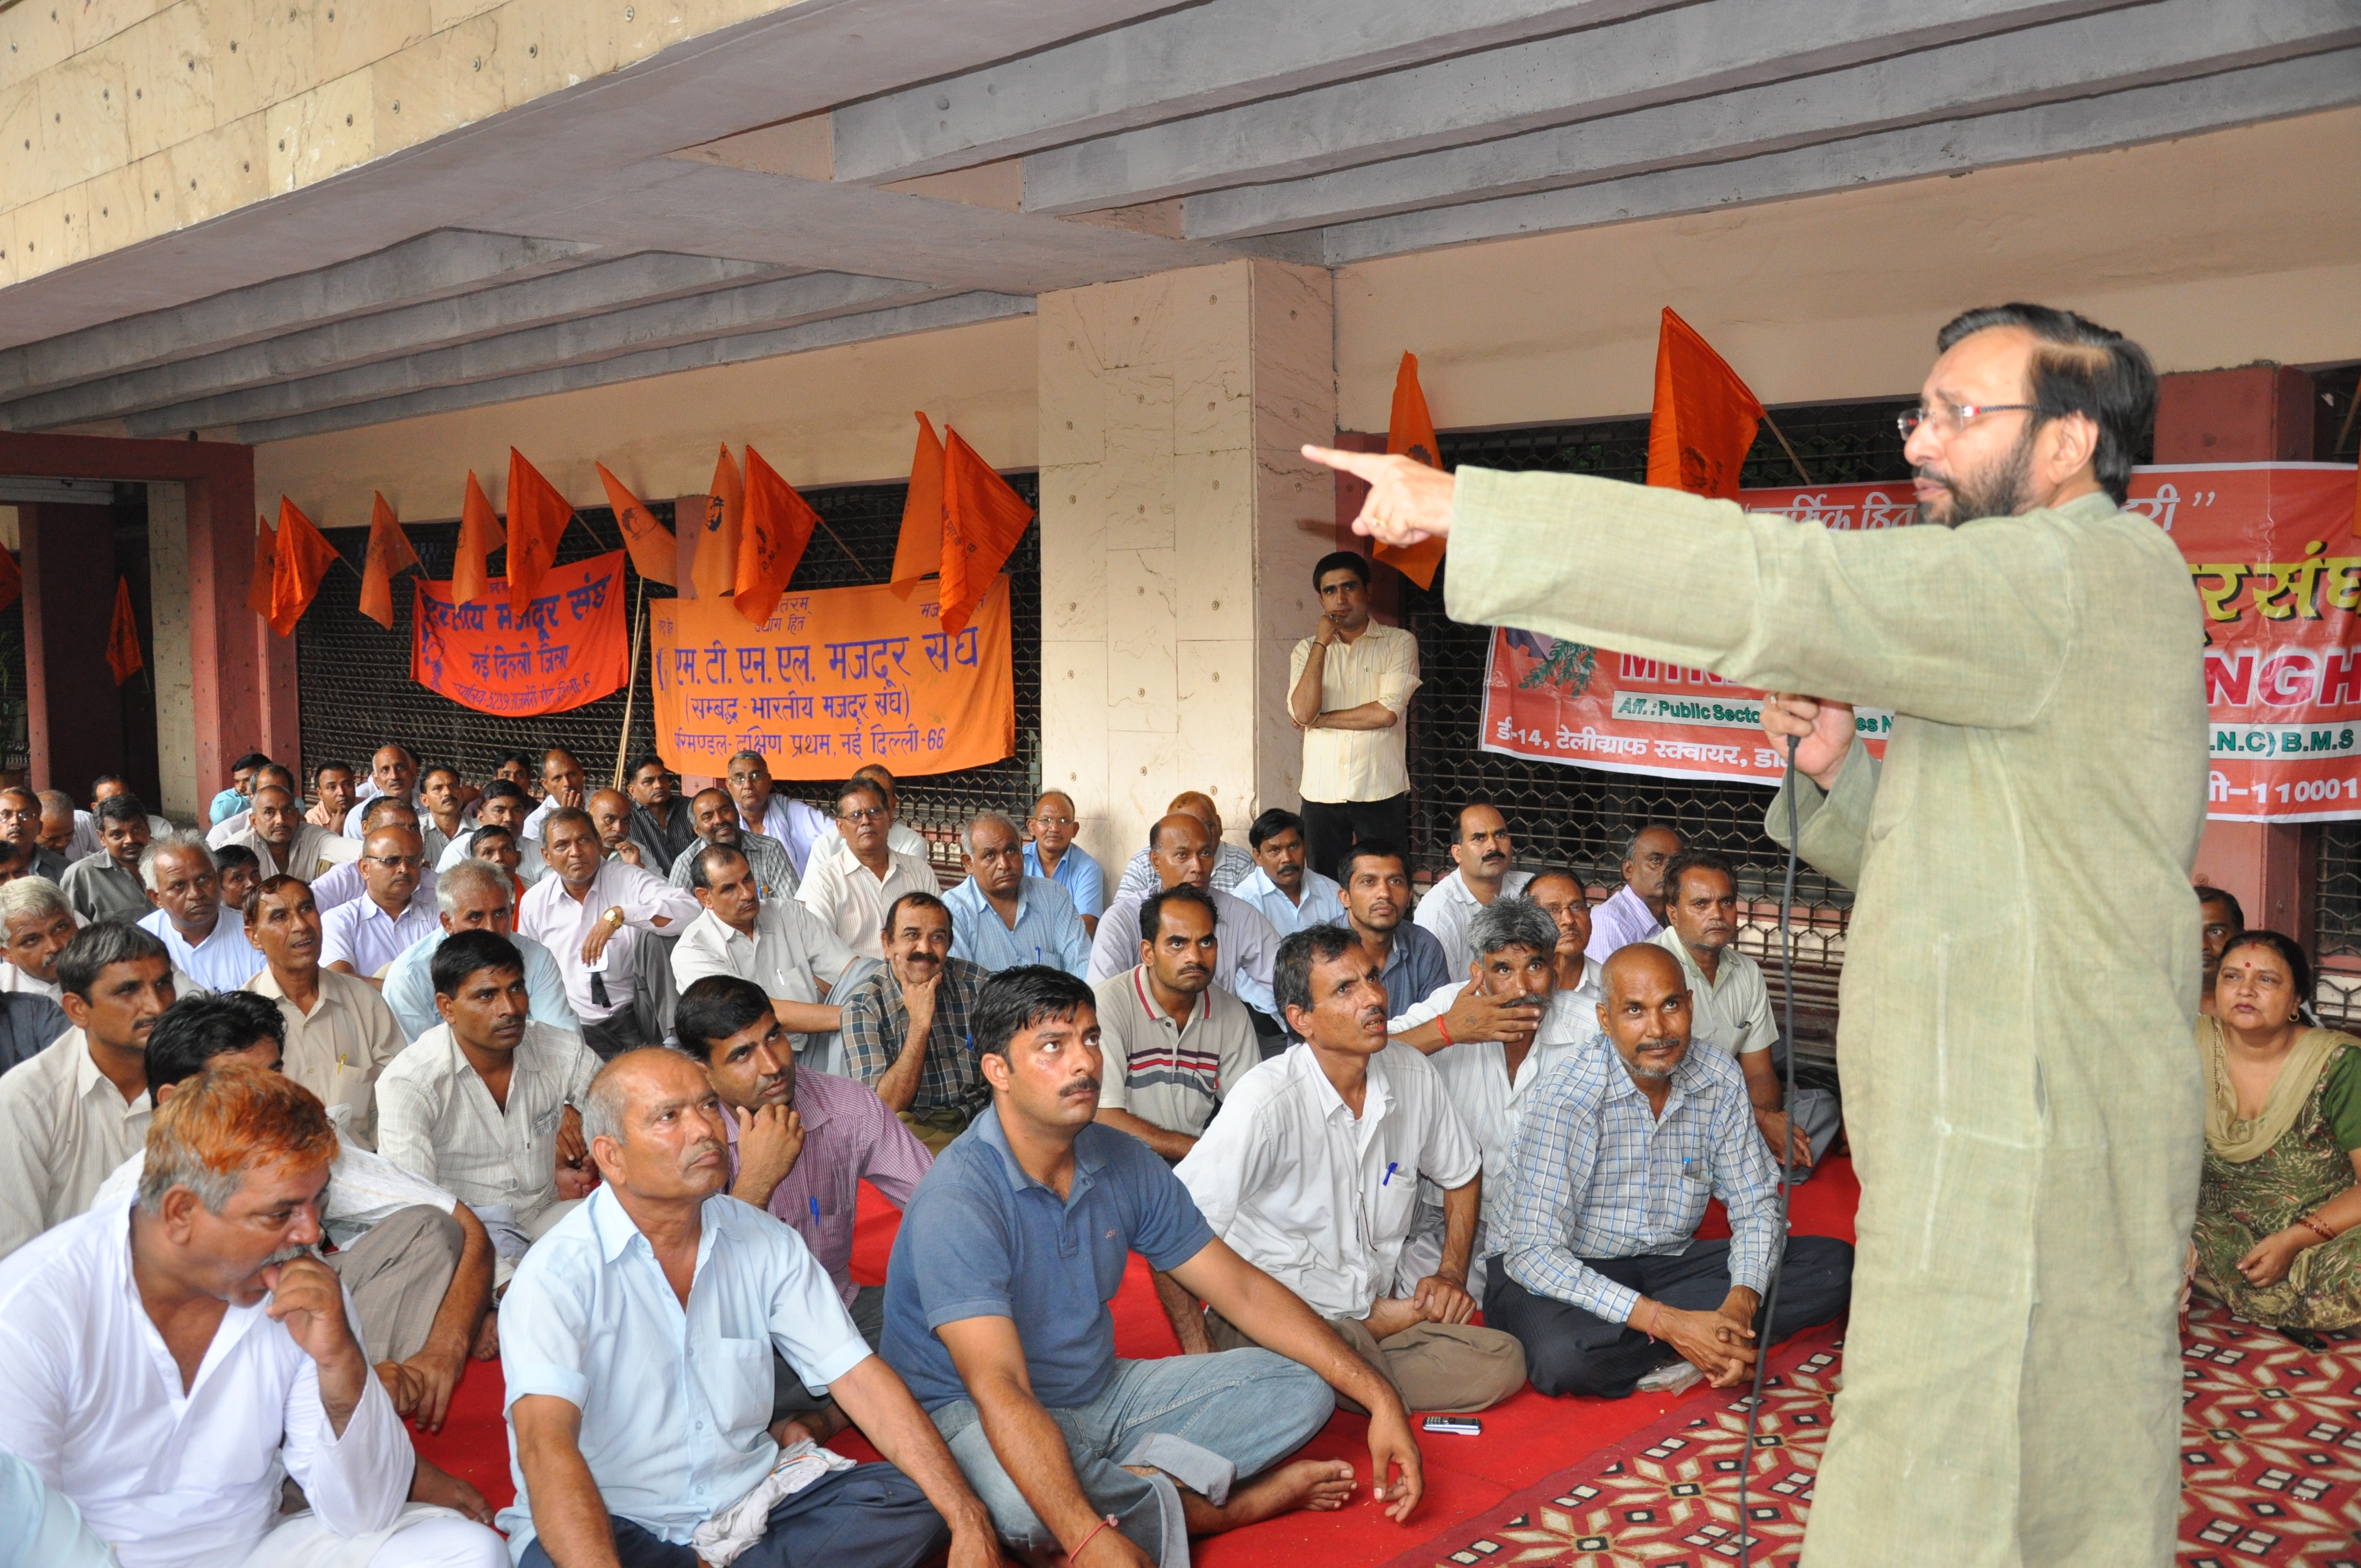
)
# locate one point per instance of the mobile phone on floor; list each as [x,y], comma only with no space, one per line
[1458,1426]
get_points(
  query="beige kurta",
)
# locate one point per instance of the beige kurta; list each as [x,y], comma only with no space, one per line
[2024,1111]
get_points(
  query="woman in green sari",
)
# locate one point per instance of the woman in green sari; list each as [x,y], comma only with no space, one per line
[2279,1202]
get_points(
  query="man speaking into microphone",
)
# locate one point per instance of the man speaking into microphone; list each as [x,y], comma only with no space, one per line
[2023,1101]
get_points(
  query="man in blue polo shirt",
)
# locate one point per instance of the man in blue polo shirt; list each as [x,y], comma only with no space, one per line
[996,1318]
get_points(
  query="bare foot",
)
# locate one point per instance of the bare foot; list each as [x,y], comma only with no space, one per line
[1324,1485]
[487,1339]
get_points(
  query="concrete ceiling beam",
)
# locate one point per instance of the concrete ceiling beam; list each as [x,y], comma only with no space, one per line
[432,266]
[2278,91]
[958,310]
[364,340]
[1718,46]
[746,308]
[2082,56]
[1188,61]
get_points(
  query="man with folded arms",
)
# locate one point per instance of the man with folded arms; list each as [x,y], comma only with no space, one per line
[995,1313]
[80,1108]
[416,1262]
[361,938]
[167,1363]
[487,1102]
[340,1033]
[1000,917]
[1602,1278]
[776,943]
[636,1344]
[801,1143]
[598,918]
[474,895]
[207,943]
[1311,1171]
[715,817]
[906,1027]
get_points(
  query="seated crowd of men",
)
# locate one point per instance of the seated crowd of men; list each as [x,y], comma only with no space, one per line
[416,1072]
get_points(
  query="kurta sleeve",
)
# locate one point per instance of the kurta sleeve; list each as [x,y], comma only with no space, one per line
[355,1483]
[1966,625]
[1833,824]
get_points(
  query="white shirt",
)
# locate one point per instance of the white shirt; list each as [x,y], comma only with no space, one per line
[1449,905]
[90,1398]
[364,1189]
[1316,1197]
[14,978]
[551,917]
[436,1120]
[1475,1074]
[63,1127]
[363,934]
[340,885]
[530,867]
[312,850]
[852,899]
[1731,1013]
[1320,905]
[224,961]
[900,839]
[791,955]
[1380,666]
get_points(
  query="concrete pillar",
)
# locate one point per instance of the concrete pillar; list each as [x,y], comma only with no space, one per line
[2257,413]
[171,661]
[1179,529]
[74,713]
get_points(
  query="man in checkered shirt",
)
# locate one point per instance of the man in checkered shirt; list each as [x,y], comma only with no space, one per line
[1604,1281]
[906,1028]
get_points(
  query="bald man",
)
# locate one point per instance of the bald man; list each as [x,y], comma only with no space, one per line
[611,813]
[1231,864]
[1605,1282]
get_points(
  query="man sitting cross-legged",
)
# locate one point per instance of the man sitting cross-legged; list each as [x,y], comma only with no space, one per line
[207,941]
[474,895]
[166,1364]
[636,1344]
[801,1143]
[995,1313]
[487,1102]
[1174,1042]
[1002,917]
[776,943]
[340,1033]
[1602,1277]
[414,1260]
[906,1027]
[1729,1007]
[1311,1171]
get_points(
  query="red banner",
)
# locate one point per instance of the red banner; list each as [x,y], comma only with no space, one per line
[2272,551]
[568,646]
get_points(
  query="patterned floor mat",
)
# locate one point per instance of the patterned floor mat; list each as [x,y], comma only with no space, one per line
[2271,1468]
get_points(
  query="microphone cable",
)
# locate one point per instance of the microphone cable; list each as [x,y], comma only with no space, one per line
[1787,1159]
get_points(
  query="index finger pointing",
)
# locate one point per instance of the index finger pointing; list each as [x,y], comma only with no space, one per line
[1360,464]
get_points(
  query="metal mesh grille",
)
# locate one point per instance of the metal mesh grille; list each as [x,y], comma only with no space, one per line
[1582,816]
[2337,924]
[357,695]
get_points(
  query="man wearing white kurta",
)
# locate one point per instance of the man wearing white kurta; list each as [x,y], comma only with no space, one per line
[160,1370]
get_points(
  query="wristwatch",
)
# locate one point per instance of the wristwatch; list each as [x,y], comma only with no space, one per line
[614,917]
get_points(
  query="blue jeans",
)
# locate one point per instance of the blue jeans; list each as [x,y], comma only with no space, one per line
[871,1515]
[1236,1413]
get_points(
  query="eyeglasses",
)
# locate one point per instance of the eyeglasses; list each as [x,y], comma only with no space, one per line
[395,863]
[1954,417]
[1056,822]
[866,814]
[7,815]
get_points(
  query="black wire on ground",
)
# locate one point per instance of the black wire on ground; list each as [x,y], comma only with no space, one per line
[1787,1161]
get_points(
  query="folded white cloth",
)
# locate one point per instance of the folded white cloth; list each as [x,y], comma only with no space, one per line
[1671,1378]
[720,1540]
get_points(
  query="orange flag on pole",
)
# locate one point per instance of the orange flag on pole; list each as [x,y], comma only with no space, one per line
[655,552]
[537,516]
[1410,433]
[1703,421]
[983,521]
[266,568]
[777,525]
[123,656]
[920,548]
[715,570]
[390,554]
[304,557]
[480,534]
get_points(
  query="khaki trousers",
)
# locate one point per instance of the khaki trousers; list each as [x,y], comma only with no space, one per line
[399,1271]
[1433,1367]
[935,1128]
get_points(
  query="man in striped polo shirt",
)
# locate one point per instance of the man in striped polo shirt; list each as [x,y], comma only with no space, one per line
[1173,1042]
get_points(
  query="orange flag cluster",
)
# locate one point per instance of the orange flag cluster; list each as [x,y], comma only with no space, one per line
[959,521]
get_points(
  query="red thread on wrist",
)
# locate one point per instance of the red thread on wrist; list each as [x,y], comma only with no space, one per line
[1442,1027]
[1075,1555]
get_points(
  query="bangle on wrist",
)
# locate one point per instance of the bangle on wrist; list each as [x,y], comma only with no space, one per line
[2316,1228]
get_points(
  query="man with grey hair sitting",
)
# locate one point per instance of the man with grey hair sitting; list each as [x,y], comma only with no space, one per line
[474,895]
[104,885]
[80,1108]
[776,943]
[206,944]
[1001,917]
[639,1438]
[167,1361]
[36,924]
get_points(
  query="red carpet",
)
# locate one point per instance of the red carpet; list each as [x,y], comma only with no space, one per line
[1525,1440]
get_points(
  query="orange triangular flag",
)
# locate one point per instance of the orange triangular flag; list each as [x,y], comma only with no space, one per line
[1702,424]
[12,580]
[304,556]
[537,516]
[778,524]
[921,549]
[123,654]
[983,521]
[1410,433]
[715,570]
[655,554]
[266,568]
[389,554]
[480,534]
